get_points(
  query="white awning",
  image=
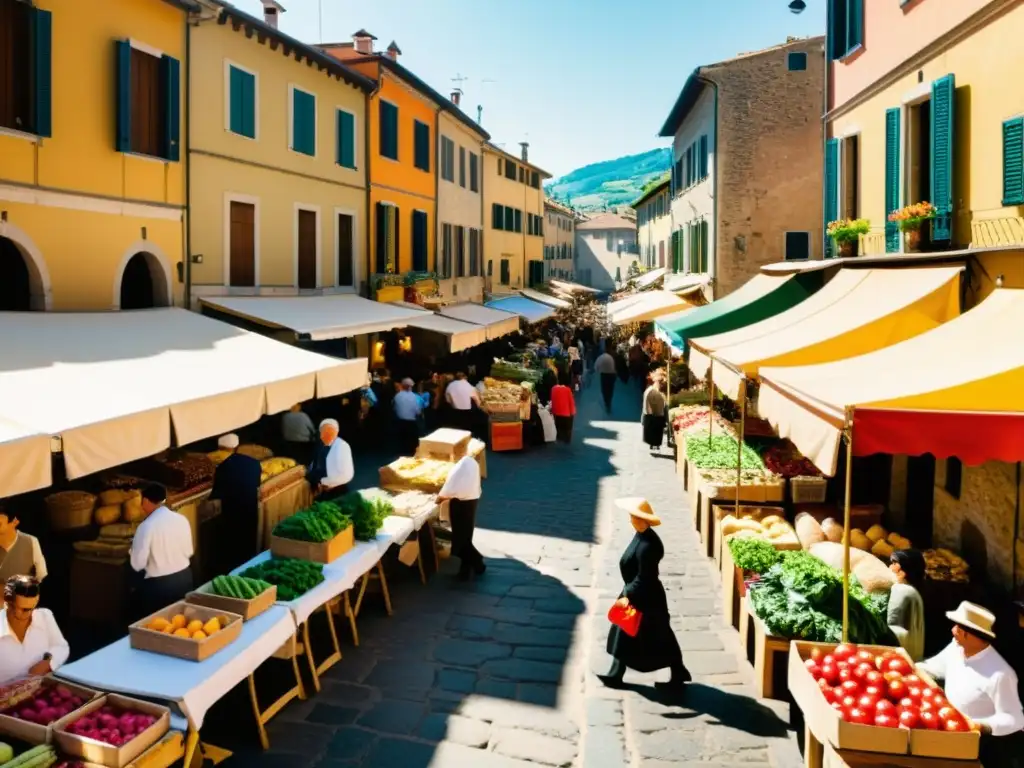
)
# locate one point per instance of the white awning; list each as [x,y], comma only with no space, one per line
[683,284]
[496,322]
[565,285]
[544,298]
[460,335]
[318,318]
[647,279]
[113,385]
[24,459]
[528,309]
[644,307]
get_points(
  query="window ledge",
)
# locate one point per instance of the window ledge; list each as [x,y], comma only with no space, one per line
[852,54]
[150,158]
[238,135]
[14,133]
[294,151]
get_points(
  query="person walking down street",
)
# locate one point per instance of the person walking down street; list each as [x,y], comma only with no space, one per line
[236,484]
[462,489]
[605,367]
[654,414]
[408,407]
[161,554]
[332,468]
[575,367]
[461,395]
[655,646]
[906,608]
[299,434]
[563,408]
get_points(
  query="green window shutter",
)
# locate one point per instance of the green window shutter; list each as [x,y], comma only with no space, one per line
[1013,161]
[235,93]
[509,219]
[703,157]
[831,187]
[170,74]
[943,109]
[381,244]
[303,122]
[242,103]
[854,24]
[518,214]
[123,133]
[421,141]
[496,215]
[419,241]
[42,73]
[346,139]
[892,178]
[837,28]
[705,254]
[388,115]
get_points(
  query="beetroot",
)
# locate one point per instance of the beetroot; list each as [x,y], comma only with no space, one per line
[111,725]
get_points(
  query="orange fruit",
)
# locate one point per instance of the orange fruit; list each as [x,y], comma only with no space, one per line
[199,635]
[179,621]
[212,626]
[159,624]
[182,632]
[194,626]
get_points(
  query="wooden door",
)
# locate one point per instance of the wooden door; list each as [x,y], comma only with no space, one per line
[346,268]
[307,249]
[242,265]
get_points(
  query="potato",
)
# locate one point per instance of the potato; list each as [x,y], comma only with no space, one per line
[882,549]
[860,541]
[771,520]
[877,533]
[832,529]
[808,530]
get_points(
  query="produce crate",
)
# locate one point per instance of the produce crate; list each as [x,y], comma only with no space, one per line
[314,551]
[706,525]
[721,510]
[284,479]
[771,657]
[808,490]
[394,479]
[445,444]
[247,609]
[144,639]
[682,467]
[771,490]
[507,436]
[106,754]
[862,516]
[33,733]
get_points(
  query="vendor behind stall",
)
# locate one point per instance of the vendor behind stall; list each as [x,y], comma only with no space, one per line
[408,407]
[31,643]
[299,434]
[236,484]
[332,468]
[19,552]
[161,554]
[461,395]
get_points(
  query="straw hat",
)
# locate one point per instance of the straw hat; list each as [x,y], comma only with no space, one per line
[640,508]
[975,618]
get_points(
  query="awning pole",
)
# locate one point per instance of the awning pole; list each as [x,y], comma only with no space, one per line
[739,441]
[711,403]
[848,434]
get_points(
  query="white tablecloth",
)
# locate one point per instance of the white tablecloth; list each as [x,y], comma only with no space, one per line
[193,687]
[340,575]
[395,530]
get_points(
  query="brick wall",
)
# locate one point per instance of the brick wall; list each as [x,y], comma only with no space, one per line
[769,161]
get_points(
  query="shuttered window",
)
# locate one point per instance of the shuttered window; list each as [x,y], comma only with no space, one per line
[831,188]
[419,241]
[388,116]
[535,179]
[446,251]
[518,220]
[474,253]
[25,68]
[510,219]
[447,159]
[474,171]
[387,238]
[242,102]
[497,216]
[303,122]
[346,129]
[942,139]
[421,149]
[148,103]
[796,61]
[892,178]
[846,27]
[510,170]
[1013,161]
[703,157]
[462,167]
[505,272]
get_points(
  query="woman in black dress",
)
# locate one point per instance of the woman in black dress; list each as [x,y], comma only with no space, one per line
[655,645]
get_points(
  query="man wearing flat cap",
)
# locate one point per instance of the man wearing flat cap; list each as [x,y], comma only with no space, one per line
[236,484]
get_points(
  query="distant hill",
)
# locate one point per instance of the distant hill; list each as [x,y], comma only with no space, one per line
[610,183]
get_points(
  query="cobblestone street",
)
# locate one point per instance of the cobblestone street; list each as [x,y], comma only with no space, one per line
[498,672]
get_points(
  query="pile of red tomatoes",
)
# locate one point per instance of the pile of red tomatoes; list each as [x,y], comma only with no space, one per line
[881,690]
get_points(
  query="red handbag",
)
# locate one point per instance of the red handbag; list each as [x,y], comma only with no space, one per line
[625,618]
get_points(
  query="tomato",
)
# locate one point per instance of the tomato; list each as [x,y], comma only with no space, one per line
[915,692]
[874,690]
[845,673]
[898,664]
[828,658]
[890,676]
[886,721]
[867,702]
[885,707]
[850,687]
[816,654]
[908,703]
[939,701]
[859,716]
[866,656]
[954,724]
[830,673]
[827,691]
[909,718]
[873,677]
[913,680]
[848,702]
[896,690]
[813,667]
[861,671]
[928,706]
[947,713]
[929,720]
[844,651]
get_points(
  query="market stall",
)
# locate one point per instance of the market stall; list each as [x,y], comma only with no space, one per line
[497,322]
[531,311]
[645,307]
[544,298]
[570,287]
[24,459]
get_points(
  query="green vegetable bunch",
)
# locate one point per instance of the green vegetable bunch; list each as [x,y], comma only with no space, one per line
[754,555]
[320,522]
[367,513]
[292,577]
[719,452]
[239,587]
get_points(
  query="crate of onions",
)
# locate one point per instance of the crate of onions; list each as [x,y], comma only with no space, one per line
[871,698]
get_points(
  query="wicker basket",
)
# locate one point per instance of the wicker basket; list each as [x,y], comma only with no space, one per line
[254,451]
[808,490]
[69,509]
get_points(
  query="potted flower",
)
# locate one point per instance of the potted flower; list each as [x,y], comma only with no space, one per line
[910,219]
[846,233]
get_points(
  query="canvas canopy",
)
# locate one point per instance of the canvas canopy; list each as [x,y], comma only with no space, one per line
[760,297]
[647,279]
[544,298]
[497,322]
[460,335]
[24,459]
[113,385]
[567,287]
[531,311]
[682,284]
[953,391]
[644,307]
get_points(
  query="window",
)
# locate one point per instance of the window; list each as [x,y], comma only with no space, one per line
[505,272]
[446,250]
[522,175]
[474,252]
[303,122]
[148,102]
[460,252]
[462,167]
[474,185]
[497,216]
[346,250]
[490,269]
[796,61]
[1013,161]
[798,246]
[510,170]
[447,159]
[419,241]
[421,148]
[387,238]
[608,244]
[241,102]
[703,157]
[25,44]
[510,219]
[346,130]
[846,27]
[518,220]
[535,180]
[388,114]
[499,166]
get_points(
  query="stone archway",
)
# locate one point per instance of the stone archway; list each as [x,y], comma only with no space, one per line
[143,284]
[24,281]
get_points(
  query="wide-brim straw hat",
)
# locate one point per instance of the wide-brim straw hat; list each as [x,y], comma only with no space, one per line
[974,618]
[639,507]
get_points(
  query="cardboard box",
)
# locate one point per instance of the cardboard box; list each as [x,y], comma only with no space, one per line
[247,609]
[314,551]
[144,639]
[445,444]
[952,746]
[33,733]
[108,755]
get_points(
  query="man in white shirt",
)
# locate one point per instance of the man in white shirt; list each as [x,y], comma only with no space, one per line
[980,684]
[332,468]
[408,406]
[161,554]
[31,643]
[605,367]
[461,395]
[19,553]
[462,489]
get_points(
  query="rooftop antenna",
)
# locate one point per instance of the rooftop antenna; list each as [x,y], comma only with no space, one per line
[480,107]
[459,80]
[320,15]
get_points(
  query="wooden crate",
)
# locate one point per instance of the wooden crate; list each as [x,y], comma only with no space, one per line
[706,523]
[445,444]
[247,609]
[314,551]
[771,656]
[144,639]
[507,436]
[33,733]
[106,754]
[720,511]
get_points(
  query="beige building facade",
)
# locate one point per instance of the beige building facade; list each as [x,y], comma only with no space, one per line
[559,241]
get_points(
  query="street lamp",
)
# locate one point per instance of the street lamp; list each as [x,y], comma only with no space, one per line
[797,6]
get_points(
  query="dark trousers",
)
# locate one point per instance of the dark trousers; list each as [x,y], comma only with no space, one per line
[563,428]
[608,389]
[330,494]
[408,436]
[152,595]
[463,519]
[458,419]
[301,452]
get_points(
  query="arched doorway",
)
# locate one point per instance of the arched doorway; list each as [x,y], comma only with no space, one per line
[143,283]
[15,278]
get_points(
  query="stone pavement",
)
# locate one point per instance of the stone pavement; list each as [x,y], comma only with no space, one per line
[497,673]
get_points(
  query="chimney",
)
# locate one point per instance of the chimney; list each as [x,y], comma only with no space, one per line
[271,11]
[394,51]
[363,42]
[526,150]
[456,96]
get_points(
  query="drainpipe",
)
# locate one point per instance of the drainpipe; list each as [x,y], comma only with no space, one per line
[187,217]
[824,129]
[370,221]
[713,262]
[437,189]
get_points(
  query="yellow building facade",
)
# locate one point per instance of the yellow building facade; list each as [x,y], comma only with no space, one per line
[559,240]
[278,187]
[92,184]
[654,225]
[513,220]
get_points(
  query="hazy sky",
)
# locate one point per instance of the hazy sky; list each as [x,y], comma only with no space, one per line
[581,80]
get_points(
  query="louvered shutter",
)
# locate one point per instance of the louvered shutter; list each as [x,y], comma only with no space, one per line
[831,188]
[1013,161]
[346,139]
[892,178]
[42,72]
[381,227]
[170,75]
[123,111]
[943,109]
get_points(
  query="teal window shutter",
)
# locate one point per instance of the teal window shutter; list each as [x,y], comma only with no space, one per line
[943,108]
[831,188]
[242,101]
[419,241]
[123,107]
[421,146]
[1013,162]
[346,139]
[388,114]
[170,71]
[704,157]
[892,178]
[854,24]
[42,73]
[303,122]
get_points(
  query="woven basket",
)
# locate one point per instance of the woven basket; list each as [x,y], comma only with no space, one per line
[257,452]
[69,509]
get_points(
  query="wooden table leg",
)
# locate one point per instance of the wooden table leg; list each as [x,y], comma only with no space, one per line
[351,619]
[384,588]
[297,691]
[433,548]
[419,564]
[308,647]
[191,743]
[813,751]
